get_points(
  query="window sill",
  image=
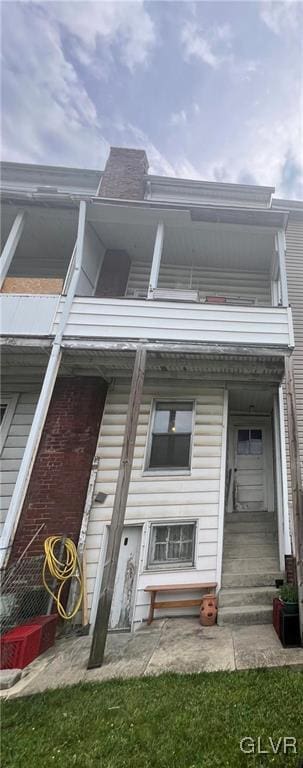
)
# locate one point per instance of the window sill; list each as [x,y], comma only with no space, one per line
[165,568]
[166,472]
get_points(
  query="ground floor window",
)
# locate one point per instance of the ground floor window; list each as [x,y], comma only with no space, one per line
[172,544]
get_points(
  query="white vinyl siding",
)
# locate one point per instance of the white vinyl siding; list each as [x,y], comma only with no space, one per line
[114,319]
[194,497]
[14,446]
[294,268]
[27,315]
[250,286]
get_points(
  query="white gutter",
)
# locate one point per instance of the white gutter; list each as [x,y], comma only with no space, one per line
[32,444]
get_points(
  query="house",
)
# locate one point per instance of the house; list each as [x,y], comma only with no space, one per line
[208,278]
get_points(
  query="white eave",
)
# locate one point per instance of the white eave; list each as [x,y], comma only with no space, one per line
[208,192]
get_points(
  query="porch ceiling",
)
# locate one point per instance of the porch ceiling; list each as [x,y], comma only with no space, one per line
[244,368]
[195,243]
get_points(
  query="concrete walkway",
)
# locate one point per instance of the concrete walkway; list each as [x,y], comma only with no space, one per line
[169,645]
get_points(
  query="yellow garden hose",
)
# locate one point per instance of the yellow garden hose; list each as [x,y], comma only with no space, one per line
[68,567]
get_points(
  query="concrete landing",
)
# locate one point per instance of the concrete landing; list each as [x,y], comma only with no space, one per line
[169,645]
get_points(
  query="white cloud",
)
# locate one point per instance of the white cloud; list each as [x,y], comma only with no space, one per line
[93,23]
[214,47]
[196,44]
[178,118]
[269,156]
[281,15]
[48,115]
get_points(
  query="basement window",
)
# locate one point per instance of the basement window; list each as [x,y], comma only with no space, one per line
[171,436]
[172,545]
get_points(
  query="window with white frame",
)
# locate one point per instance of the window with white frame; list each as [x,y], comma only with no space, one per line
[7,409]
[172,545]
[171,435]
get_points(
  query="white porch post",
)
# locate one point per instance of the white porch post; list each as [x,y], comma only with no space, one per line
[286,521]
[280,243]
[221,510]
[49,381]
[158,248]
[11,245]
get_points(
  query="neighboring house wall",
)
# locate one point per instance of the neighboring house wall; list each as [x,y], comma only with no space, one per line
[57,488]
[165,496]
[248,285]
[14,446]
[294,267]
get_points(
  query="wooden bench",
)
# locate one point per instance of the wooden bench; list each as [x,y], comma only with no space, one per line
[186,603]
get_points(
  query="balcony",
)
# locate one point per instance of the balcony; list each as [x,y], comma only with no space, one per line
[181,279]
[38,246]
[161,321]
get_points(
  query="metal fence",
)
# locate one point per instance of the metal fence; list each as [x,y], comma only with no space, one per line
[23,594]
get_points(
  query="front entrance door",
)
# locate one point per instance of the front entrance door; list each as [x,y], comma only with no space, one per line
[249,469]
[126,579]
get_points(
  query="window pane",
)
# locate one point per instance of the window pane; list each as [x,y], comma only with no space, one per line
[183,421]
[173,417]
[256,447]
[161,533]
[160,553]
[186,550]
[175,533]
[161,420]
[173,552]
[170,451]
[243,442]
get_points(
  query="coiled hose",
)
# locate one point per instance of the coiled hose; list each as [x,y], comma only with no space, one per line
[68,567]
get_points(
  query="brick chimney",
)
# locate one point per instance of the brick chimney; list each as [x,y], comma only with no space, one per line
[123,176]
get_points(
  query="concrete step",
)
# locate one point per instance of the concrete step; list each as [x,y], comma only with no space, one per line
[265,579]
[253,517]
[248,614]
[241,596]
[249,550]
[242,539]
[250,565]
[249,527]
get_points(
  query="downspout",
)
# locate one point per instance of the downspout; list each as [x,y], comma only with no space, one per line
[32,444]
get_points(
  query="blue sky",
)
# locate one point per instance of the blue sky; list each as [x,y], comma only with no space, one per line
[211,90]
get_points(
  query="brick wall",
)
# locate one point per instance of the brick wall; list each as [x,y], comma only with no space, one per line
[58,485]
[123,176]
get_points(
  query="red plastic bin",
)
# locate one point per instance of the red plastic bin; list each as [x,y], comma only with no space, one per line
[48,626]
[20,646]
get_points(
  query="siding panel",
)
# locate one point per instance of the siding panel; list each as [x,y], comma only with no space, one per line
[250,286]
[156,497]
[294,267]
[14,447]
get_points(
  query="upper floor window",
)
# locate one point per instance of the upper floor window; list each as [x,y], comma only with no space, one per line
[171,435]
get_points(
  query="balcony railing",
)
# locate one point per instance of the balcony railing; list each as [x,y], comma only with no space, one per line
[131,319]
[27,314]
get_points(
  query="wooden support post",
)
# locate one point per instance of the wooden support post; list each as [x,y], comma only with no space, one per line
[9,249]
[118,515]
[296,481]
[158,248]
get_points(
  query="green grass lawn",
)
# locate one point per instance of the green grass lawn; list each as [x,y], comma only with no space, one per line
[173,721]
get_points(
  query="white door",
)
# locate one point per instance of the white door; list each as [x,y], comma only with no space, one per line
[249,469]
[126,579]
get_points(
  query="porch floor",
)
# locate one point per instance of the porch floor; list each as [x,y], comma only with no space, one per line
[168,645]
